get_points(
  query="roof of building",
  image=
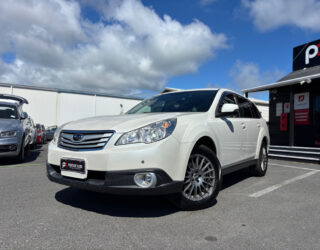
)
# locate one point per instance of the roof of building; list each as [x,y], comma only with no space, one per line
[302,76]
[21,86]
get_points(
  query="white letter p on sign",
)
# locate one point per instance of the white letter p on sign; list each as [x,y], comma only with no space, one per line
[314,51]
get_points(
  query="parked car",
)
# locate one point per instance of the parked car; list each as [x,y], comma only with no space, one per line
[14,133]
[44,133]
[40,134]
[178,143]
[50,132]
[32,133]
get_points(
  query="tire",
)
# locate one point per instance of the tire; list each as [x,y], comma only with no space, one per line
[202,181]
[21,154]
[260,168]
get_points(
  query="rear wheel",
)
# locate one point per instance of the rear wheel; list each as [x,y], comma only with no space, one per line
[202,181]
[260,168]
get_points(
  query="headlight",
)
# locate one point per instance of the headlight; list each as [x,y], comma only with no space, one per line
[150,133]
[56,135]
[5,134]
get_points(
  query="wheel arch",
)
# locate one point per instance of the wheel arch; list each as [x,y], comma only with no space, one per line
[201,140]
[206,141]
[263,138]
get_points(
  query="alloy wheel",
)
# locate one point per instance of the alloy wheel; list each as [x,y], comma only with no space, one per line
[200,178]
[264,159]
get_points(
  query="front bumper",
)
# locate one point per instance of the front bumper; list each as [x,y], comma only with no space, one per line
[5,143]
[117,182]
[168,155]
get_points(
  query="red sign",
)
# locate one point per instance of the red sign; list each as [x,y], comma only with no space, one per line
[301,117]
[283,122]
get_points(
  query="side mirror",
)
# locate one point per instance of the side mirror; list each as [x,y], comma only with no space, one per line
[24,115]
[229,109]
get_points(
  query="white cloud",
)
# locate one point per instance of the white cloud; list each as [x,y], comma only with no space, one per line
[271,14]
[132,48]
[247,74]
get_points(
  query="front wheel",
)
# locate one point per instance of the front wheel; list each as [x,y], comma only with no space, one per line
[21,155]
[202,181]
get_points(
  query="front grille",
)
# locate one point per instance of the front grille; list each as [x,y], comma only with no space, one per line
[8,148]
[84,140]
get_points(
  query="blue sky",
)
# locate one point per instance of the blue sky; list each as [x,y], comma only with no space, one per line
[269,50]
[234,44]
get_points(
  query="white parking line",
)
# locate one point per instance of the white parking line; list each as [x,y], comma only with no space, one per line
[287,166]
[277,186]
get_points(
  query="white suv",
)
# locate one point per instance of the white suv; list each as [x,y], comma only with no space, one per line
[179,143]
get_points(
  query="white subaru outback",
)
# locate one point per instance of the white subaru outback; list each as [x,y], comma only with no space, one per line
[179,143]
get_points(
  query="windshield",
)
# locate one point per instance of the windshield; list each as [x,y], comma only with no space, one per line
[189,101]
[8,112]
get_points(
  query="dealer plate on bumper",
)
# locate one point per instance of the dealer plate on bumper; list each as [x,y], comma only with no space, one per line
[75,168]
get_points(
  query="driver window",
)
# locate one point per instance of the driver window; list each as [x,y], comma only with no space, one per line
[227,98]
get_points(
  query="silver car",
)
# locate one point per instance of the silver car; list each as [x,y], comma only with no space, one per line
[33,133]
[14,132]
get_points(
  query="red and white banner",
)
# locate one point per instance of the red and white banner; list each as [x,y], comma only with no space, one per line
[301,101]
[301,108]
[301,117]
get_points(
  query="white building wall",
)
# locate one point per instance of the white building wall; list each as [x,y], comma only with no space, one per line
[53,108]
[264,111]
[42,105]
[74,107]
[111,106]
[5,90]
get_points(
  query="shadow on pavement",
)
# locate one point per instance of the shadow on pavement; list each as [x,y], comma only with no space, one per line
[30,156]
[116,205]
[234,178]
[131,206]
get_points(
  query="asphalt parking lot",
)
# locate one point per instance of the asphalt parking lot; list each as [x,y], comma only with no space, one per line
[278,211]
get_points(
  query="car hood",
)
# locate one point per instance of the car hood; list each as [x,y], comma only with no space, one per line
[9,124]
[120,123]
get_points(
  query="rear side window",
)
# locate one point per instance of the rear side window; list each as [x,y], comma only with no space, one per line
[255,111]
[245,108]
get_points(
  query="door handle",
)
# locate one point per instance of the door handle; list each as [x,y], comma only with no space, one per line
[258,125]
[243,125]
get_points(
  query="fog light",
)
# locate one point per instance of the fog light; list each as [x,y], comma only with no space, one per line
[145,180]
[12,147]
